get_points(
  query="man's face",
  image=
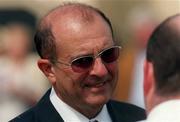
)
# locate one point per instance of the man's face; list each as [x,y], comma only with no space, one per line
[93,87]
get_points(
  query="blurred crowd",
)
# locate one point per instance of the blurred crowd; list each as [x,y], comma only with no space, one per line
[21,82]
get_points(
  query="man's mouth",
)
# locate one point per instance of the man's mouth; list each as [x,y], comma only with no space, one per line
[96,85]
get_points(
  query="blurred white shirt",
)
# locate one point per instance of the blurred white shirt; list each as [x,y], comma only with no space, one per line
[168,111]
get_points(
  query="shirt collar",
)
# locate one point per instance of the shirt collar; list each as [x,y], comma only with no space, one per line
[69,114]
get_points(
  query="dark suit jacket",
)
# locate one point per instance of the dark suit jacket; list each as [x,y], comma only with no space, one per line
[44,111]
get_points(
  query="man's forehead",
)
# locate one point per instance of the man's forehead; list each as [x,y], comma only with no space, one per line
[81,12]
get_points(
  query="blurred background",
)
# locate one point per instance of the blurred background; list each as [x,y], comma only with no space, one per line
[21,82]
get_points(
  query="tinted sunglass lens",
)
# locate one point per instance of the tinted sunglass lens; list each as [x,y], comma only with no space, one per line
[110,55]
[82,63]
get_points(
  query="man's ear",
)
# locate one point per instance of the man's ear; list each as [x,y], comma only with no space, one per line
[47,68]
[149,81]
[149,85]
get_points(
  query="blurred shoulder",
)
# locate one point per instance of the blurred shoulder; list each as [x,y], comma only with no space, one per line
[27,116]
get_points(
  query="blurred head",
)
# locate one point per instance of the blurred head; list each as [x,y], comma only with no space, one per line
[17,40]
[78,56]
[162,69]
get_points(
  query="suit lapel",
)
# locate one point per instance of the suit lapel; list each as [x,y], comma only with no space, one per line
[46,111]
[123,112]
[115,115]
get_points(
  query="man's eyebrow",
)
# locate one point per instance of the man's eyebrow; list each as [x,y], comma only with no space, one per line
[80,55]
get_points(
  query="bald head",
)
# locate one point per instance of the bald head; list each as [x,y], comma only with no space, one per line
[74,12]
[68,17]
[163,50]
[174,23]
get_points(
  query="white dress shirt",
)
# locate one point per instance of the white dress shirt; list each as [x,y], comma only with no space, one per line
[168,111]
[69,114]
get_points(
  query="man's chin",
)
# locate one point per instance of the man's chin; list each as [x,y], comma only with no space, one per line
[98,101]
[98,96]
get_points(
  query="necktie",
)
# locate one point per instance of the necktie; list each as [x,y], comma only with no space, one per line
[95,121]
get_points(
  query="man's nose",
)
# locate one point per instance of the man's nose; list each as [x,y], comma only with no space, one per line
[98,68]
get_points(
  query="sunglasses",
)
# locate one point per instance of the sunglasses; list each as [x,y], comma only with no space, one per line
[83,63]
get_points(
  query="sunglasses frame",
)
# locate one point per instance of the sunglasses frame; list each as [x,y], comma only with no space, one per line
[93,56]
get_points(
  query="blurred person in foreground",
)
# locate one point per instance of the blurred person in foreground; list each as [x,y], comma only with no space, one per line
[162,72]
[21,83]
[79,57]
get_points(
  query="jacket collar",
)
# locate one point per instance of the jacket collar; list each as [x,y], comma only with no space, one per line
[46,111]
